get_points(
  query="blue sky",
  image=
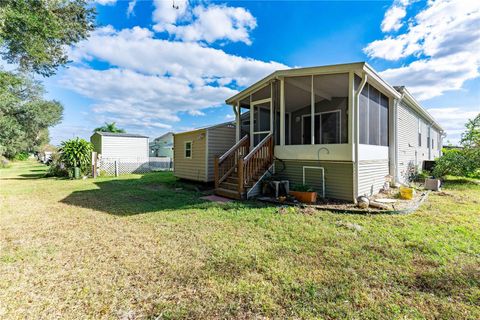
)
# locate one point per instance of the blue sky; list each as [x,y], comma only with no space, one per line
[152,68]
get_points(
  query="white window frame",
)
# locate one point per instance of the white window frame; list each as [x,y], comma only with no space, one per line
[320,127]
[185,150]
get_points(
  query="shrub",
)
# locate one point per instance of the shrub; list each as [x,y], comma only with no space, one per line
[4,163]
[301,188]
[457,162]
[56,167]
[22,156]
[76,153]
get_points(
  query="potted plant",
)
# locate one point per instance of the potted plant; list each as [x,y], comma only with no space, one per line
[303,193]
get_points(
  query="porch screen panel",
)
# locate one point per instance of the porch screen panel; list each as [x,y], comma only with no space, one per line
[262,119]
[374,116]
[298,103]
[383,120]
[363,115]
[331,106]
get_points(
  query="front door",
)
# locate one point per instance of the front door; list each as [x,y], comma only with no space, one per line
[261,121]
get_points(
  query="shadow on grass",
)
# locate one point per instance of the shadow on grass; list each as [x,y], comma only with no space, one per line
[27,176]
[159,191]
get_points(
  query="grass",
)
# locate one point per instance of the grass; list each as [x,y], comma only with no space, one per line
[137,247]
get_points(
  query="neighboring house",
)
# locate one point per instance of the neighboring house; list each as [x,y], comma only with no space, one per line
[341,129]
[162,146]
[129,151]
[194,151]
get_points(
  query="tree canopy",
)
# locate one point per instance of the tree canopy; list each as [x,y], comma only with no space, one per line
[24,115]
[35,34]
[465,161]
[109,127]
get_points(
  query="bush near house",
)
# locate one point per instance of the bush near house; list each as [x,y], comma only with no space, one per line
[462,162]
[76,153]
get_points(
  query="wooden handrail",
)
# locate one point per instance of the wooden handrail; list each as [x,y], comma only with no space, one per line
[256,162]
[225,165]
[232,149]
[258,146]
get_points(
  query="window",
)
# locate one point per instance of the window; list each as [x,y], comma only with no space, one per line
[188,149]
[432,144]
[419,133]
[330,127]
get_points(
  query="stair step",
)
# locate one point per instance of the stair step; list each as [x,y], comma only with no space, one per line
[228,193]
[232,180]
[229,185]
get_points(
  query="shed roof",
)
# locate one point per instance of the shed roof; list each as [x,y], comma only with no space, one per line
[117,134]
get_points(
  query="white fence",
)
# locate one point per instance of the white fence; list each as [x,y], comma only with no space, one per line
[118,167]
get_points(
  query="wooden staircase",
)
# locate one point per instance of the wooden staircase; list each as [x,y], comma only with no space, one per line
[238,169]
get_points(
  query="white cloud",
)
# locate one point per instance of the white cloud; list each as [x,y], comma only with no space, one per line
[149,81]
[453,120]
[131,8]
[393,18]
[214,23]
[445,39]
[132,98]
[104,2]
[207,23]
[136,49]
[167,14]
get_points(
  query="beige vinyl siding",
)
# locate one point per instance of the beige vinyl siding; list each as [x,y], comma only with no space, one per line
[409,152]
[338,176]
[190,168]
[371,176]
[220,140]
[128,149]
[407,140]
[96,140]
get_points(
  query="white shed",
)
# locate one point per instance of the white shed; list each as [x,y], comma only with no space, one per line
[129,151]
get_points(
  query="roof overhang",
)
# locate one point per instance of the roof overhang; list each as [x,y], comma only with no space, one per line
[356,67]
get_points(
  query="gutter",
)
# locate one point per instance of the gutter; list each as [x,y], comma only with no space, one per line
[356,110]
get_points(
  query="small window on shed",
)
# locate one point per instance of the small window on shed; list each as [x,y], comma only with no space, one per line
[188,149]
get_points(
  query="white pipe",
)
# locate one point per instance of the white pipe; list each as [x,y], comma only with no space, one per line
[356,108]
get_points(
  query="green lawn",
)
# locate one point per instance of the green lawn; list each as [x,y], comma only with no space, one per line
[138,248]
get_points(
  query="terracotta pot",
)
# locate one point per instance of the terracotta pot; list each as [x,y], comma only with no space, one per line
[305,196]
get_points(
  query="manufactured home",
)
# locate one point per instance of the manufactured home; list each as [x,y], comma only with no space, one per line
[162,146]
[194,151]
[341,129]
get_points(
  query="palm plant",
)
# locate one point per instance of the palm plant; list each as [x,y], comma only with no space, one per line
[109,127]
[76,153]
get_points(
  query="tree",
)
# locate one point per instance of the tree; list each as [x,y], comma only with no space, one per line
[471,137]
[466,161]
[24,115]
[36,34]
[109,127]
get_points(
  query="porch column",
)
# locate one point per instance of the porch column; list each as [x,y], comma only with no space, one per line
[312,111]
[252,129]
[271,107]
[392,138]
[282,111]
[352,125]
[238,123]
